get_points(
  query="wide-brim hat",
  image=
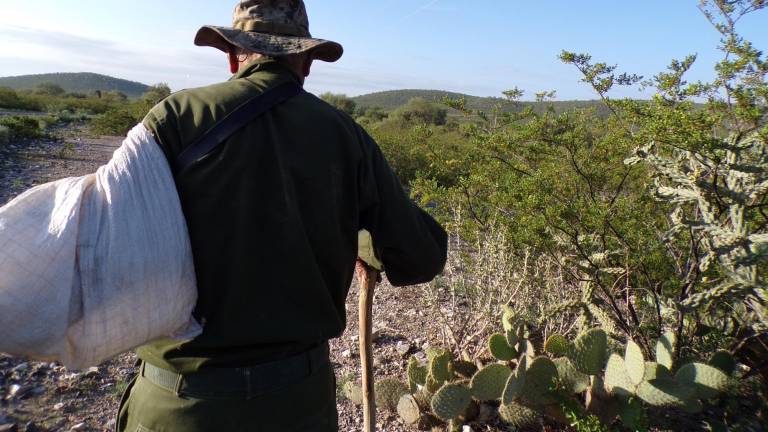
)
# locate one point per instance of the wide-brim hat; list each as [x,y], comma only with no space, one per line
[269,27]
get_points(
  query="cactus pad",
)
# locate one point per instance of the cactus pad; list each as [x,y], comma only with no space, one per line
[665,349]
[451,401]
[664,392]
[654,370]
[499,348]
[724,361]
[417,374]
[515,382]
[518,415]
[438,366]
[488,383]
[634,362]
[540,380]
[388,392]
[408,409]
[557,345]
[589,351]
[617,381]
[432,385]
[570,379]
[707,380]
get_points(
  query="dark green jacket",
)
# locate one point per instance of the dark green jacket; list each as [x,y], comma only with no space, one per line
[273,215]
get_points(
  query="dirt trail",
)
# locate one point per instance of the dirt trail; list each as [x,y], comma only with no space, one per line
[40,397]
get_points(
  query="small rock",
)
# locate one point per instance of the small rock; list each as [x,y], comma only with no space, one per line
[110,425]
[346,353]
[92,371]
[78,427]
[18,391]
[354,338]
[466,429]
[402,348]
[59,406]
[21,367]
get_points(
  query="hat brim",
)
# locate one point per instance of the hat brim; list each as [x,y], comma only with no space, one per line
[268,44]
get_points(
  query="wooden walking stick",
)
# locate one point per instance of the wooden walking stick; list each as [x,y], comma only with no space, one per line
[367,269]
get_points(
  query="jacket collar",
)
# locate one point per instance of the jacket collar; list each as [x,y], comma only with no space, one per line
[264,64]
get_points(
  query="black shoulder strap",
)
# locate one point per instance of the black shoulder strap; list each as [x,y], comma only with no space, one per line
[235,120]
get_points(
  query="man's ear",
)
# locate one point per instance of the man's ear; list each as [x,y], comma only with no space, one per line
[234,64]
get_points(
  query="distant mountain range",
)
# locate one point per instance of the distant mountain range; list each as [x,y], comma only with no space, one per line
[86,82]
[392,99]
[82,82]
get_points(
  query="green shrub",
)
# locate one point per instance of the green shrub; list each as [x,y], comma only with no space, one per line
[22,127]
[5,135]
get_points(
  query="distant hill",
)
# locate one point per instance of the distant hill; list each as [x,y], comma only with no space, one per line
[392,99]
[82,82]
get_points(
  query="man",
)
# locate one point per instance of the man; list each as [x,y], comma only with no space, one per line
[273,214]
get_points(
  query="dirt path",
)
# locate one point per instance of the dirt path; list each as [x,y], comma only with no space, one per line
[39,397]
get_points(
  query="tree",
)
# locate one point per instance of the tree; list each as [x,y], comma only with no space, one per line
[419,111]
[50,89]
[341,101]
[156,93]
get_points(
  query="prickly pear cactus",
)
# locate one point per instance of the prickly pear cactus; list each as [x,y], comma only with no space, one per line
[438,366]
[388,392]
[708,381]
[617,381]
[518,415]
[408,409]
[558,345]
[589,352]
[499,348]
[665,349]
[540,381]
[515,382]
[488,383]
[634,362]
[451,401]
[417,374]
[570,379]
[664,392]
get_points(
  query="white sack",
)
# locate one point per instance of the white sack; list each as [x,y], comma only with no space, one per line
[93,266]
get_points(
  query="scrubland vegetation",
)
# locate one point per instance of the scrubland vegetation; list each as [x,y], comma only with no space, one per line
[648,225]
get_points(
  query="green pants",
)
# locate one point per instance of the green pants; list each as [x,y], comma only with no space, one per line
[307,406]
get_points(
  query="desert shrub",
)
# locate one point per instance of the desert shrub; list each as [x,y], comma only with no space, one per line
[5,135]
[118,121]
[10,99]
[50,89]
[22,127]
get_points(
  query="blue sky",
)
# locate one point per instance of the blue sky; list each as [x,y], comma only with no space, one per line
[479,47]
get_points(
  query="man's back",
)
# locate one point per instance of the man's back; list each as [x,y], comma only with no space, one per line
[273,215]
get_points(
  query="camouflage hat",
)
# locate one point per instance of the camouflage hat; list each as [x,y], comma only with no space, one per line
[269,27]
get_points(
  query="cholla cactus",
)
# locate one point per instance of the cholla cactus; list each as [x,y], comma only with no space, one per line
[720,187]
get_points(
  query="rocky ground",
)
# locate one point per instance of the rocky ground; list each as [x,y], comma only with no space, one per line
[47,397]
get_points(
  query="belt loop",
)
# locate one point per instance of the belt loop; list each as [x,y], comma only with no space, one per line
[177,386]
[248,383]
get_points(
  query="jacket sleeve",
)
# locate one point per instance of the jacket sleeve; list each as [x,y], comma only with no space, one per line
[410,243]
